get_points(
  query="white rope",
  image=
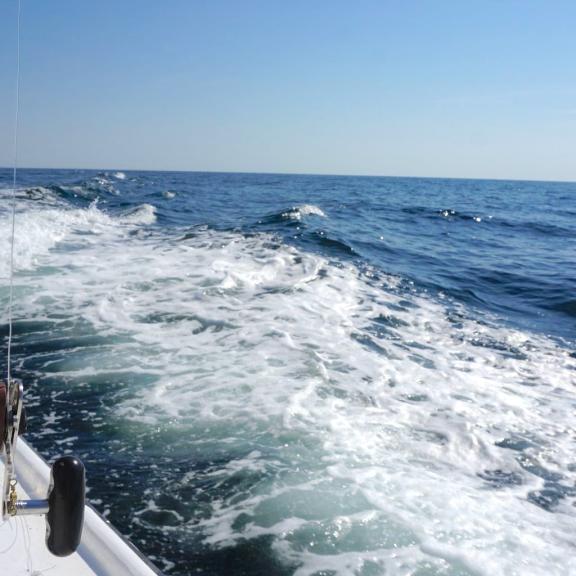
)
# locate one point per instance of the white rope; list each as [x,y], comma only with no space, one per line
[14,177]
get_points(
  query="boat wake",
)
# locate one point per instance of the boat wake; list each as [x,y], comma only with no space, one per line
[333,417]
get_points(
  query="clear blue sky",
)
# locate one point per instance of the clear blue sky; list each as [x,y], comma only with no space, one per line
[457,88]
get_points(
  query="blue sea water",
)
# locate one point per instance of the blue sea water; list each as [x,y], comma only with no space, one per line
[309,375]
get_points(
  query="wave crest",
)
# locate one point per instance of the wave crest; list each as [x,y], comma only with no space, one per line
[298,212]
[143,214]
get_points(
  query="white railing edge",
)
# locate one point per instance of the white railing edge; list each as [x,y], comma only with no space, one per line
[102,547]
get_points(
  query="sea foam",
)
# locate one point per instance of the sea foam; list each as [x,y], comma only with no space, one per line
[382,429]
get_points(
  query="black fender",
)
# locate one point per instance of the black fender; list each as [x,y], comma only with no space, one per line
[66,495]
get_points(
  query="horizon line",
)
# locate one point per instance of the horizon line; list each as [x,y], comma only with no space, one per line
[318,174]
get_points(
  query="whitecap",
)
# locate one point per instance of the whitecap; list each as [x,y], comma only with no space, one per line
[298,212]
[143,214]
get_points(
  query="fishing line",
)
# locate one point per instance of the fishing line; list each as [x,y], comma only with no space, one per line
[13,207]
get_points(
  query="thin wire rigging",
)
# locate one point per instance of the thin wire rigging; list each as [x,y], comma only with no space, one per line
[13,200]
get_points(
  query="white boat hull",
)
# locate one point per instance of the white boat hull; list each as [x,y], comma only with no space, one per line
[23,551]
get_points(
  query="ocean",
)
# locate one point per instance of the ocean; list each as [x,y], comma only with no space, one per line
[305,375]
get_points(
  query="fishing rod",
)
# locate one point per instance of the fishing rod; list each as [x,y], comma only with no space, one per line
[64,503]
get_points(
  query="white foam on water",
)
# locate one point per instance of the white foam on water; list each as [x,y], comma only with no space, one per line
[381,424]
[141,215]
[298,212]
[40,228]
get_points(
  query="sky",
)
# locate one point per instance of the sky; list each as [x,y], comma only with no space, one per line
[447,88]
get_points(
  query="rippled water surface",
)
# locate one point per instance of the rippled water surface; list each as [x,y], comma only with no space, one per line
[306,375]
